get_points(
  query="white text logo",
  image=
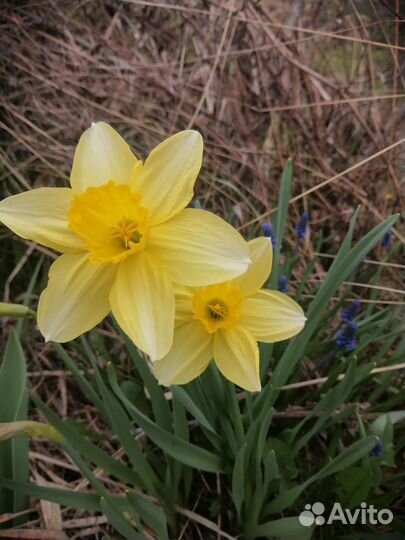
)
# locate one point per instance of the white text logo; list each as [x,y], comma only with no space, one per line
[365,515]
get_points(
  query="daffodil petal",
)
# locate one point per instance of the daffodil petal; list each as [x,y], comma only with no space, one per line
[261,255]
[198,248]
[184,304]
[272,316]
[142,301]
[76,298]
[101,155]
[189,356]
[41,215]
[237,356]
[166,180]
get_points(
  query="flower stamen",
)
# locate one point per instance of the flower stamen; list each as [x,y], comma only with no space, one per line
[111,220]
[127,232]
[218,310]
[217,306]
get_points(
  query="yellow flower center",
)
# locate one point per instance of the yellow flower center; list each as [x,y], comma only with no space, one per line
[217,306]
[111,221]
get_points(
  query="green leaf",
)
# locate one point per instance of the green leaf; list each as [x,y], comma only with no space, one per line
[88,449]
[65,497]
[151,515]
[160,406]
[12,379]
[285,457]
[287,528]
[387,437]
[122,426]
[109,505]
[13,407]
[238,480]
[355,484]
[347,457]
[117,519]
[379,425]
[232,413]
[180,422]
[179,449]
[181,395]
[280,220]
[271,471]
[262,435]
[28,294]
[177,469]
[83,383]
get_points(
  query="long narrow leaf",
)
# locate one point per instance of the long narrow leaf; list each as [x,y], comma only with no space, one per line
[281,218]
[65,497]
[160,406]
[181,450]
[88,449]
[13,407]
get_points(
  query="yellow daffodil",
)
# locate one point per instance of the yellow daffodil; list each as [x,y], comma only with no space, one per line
[125,238]
[224,322]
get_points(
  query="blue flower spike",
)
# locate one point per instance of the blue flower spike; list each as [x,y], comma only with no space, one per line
[302,226]
[386,241]
[348,314]
[269,233]
[347,337]
[283,284]
[378,450]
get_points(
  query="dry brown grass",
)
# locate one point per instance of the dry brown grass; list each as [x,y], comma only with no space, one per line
[257,87]
[321,82]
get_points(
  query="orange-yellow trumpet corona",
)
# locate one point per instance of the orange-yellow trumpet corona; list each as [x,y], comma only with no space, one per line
[223,322]
[125,238]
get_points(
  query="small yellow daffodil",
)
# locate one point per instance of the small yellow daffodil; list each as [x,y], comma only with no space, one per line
[126,237]
[223,322]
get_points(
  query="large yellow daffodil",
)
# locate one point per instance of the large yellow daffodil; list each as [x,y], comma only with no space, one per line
[125,238]
[224,322]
